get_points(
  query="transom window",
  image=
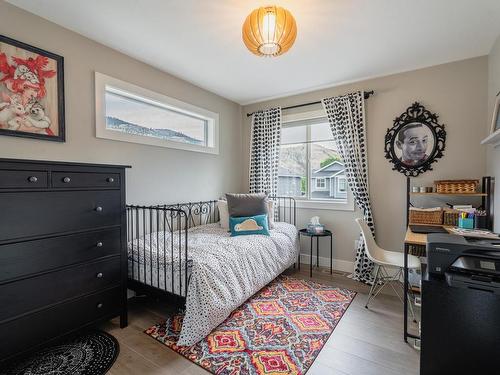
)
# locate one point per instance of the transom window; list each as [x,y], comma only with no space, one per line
[126,112]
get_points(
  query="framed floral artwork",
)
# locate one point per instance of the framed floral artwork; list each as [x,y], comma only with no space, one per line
[31,91]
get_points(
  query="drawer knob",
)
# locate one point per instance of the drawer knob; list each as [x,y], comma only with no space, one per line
[100,275]
[66,180]
[32,179]
[98,209]
[99,244]
[110,179]
[100,305]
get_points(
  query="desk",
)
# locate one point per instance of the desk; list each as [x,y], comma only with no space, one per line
[415,238]
[414,244]
[420,238]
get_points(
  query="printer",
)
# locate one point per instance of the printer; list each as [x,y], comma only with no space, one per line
[460,328]
[448,252]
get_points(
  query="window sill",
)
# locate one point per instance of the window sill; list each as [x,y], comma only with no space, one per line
[324,205]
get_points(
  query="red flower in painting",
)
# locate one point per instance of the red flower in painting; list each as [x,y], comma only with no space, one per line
[27,73]
[5,68]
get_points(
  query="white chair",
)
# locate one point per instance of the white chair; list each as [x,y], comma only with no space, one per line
[384,259]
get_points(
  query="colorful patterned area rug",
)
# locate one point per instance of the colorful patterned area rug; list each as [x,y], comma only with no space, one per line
[280,330]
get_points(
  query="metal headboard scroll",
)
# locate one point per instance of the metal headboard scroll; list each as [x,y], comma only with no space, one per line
[206,212]
[197,213]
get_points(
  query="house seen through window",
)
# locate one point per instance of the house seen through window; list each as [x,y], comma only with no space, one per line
[310,167]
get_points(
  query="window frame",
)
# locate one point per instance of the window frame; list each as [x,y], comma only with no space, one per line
[105,83]
[316,203]
[344,180]
[323,180]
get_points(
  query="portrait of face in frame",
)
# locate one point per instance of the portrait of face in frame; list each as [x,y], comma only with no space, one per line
[414,143]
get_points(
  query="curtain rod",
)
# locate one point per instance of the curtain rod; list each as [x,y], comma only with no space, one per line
[367,95]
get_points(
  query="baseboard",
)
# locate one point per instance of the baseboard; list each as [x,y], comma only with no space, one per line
[338,264]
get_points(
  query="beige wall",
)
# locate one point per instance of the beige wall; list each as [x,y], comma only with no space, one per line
[493,155]
[157,174]
[455,91]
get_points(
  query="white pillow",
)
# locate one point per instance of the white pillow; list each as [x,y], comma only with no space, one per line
[223,214]
[270,213]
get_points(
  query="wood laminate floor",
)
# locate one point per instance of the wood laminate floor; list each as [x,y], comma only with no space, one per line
[364,342]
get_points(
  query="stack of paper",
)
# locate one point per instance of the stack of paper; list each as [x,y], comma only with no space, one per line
[476,233]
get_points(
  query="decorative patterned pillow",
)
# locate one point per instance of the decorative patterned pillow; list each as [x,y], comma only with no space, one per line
[249,225]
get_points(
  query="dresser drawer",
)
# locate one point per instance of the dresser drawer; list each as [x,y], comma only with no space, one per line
[40,213]
[21,334]
[23,179]
[26,295]
[29,257]
[85,180]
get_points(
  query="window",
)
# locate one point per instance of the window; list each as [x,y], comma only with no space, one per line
[320,183]
[126,112]
[310,168]
[342,184]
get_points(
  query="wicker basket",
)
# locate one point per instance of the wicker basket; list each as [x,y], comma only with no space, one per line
[426,216]
[450,217]
[456,186]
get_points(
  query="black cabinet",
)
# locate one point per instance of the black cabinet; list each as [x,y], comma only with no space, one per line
[63,261]
[84,179]
[23,179]
[460,327]
[55,252]
[30,331]
[45,212]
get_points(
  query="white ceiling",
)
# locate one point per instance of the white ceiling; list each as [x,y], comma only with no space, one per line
[338,40]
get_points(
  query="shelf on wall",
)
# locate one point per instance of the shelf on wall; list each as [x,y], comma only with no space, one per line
[492,139]
[457,194]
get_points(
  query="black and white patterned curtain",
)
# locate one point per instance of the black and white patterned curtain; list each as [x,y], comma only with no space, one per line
[265,151]
[347,121]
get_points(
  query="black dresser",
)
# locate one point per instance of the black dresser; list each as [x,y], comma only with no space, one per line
[63,261]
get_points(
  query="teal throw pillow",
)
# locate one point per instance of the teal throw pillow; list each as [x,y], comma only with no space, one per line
[257,224]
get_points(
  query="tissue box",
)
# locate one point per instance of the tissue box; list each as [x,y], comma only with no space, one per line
[466,223]
[316,228]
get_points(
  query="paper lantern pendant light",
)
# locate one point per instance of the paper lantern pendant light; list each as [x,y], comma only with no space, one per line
[269,31]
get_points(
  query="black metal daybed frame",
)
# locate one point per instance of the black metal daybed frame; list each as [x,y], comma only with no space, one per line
[169,225]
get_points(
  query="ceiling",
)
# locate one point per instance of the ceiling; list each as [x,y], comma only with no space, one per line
[338,41]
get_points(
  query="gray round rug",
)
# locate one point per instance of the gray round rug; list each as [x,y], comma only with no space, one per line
[91,353]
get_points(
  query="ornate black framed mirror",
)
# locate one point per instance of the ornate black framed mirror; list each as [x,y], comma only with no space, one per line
[415,141]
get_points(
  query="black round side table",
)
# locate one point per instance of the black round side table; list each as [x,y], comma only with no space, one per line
[326,233]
